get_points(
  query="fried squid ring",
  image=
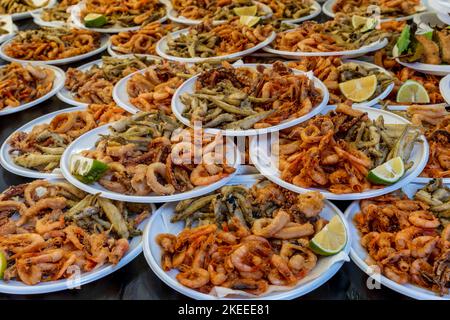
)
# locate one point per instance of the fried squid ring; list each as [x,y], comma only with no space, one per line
[29,191]
[310,134]
[153,170]
[63,122]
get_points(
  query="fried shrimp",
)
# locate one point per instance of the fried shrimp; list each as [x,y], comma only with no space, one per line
[407,252]
[61,227]
[241,239]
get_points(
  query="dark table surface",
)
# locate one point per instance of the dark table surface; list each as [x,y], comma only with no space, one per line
[136,280]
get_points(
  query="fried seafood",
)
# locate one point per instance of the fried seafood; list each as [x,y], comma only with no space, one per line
[249,204]
[42,147]
[245,98]
[142,41]
[387,8]
[153,89]
[435,120]
[333,35]
[58,12]
[50,230]
[47,44]
[336,151]
[245,239]
[19,6]
[20,84]
[151,153]
[125,13]
[409,239]
[289,9]
[431,48]
[96,84]
[332,71]
[205,40]
[214,10]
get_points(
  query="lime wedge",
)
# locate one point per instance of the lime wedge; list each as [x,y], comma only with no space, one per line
[363,23]
[359,90]
[412,92]
[331,239]
[95,20]
[249,21]
[387,173]
[3,264]
[246,11]
[87,170]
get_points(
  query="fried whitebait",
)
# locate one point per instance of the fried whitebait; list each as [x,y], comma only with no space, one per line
[244,98]
[206,40]
[96,84]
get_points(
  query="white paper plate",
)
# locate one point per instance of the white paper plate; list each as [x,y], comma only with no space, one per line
[161,48]
[18,287]
[188,87]
[434,69]
[75,18]
[67,96]
[58,82]
[103,45]
[345,54]
[317,9]
[359,255]
[87,142]
[328,10]
[5,157]
[260,156]
[172,14]
[444,87]
[160,223]
[383,94]
[27,14]
[6,37]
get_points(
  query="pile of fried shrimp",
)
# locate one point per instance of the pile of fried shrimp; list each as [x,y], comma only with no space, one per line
[42,147]
[334,35]
[409,239]
[153,89]
[435,123]
[95,85]
[20,84]
[125,13]
[142,41]
[52,43]
[337,150]
[47,229]
[206,40]
[388,8]
[333,70]
[244,98]
[151,153]
[244,239]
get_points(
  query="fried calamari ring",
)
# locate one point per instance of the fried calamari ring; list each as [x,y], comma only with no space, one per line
[154,169]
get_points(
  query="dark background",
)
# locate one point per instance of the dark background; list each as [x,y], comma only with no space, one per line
[136,280]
